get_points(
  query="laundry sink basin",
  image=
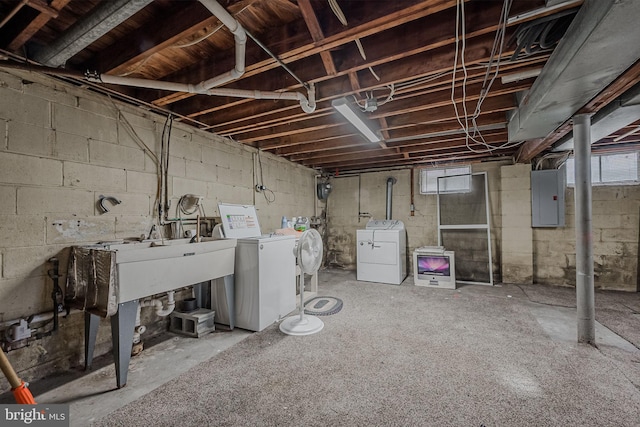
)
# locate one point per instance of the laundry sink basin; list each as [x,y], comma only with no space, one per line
[109,279]
[104,275]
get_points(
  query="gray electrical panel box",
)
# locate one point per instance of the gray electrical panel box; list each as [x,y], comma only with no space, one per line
[547,197]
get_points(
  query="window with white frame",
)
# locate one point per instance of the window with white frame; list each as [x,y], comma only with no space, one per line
[458,180]
[609,169]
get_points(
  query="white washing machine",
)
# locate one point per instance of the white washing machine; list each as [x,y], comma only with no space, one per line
[382,252]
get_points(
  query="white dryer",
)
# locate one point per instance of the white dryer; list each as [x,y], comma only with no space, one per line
[382,252]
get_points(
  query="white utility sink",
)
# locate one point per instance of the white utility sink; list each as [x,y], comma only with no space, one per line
[109,279]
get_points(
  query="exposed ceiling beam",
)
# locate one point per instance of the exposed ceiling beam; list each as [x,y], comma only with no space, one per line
[35,25]
[370,151]
[185,21]
[317,35]
[389,15]
[259,114]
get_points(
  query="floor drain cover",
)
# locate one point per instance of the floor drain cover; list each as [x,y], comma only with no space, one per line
[323,306]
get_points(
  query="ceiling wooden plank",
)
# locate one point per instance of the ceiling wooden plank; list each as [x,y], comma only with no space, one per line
[390,14]
[324,125]
[315,30]
[337,142]
[294,147]
[263,114]
[35,25]
[442,98]
[492,104]
[319,138]
[441,58]
[484,27]
[183,20]
[431,160]
[433,145]
[485,119]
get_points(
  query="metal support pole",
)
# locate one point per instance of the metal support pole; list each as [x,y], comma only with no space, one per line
[584,241]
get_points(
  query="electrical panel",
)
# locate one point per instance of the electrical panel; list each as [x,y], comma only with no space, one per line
[547,197]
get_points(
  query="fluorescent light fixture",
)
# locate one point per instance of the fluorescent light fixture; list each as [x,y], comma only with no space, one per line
[356,118]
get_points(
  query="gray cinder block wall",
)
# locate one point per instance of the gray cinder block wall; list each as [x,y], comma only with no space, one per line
[368,190]
[61,148]
[521,254]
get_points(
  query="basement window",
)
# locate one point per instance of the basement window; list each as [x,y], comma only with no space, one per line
[460,181]
[609,169]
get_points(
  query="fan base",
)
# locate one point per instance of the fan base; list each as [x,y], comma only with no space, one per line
[306,326]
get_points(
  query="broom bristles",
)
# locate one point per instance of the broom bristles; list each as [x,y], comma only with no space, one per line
[22,395]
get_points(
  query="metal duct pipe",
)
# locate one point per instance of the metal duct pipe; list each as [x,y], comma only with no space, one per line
[390,181]
[105,17]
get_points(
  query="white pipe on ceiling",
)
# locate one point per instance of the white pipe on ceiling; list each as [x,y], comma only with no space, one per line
[307,105]
[206,87]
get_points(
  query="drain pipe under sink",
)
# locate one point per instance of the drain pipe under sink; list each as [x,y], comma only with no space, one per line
[160,311]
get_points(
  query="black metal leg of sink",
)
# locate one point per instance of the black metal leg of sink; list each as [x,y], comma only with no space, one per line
[122,325]
[91,323]
[231,300]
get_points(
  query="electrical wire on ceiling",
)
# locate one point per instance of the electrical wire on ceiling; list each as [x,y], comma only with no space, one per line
[363,104]
[470,128]
[182,45]
[335,7]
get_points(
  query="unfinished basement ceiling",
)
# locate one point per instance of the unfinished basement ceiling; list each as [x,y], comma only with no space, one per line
[396,58]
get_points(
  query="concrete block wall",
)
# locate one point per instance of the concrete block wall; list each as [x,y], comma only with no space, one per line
[517,234]
[368,190]
[615,233]
[61,148]
[521,254]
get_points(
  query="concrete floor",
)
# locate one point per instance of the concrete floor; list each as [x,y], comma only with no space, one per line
[93,396]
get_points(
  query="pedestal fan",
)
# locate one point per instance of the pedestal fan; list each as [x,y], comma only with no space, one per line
[308,253]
